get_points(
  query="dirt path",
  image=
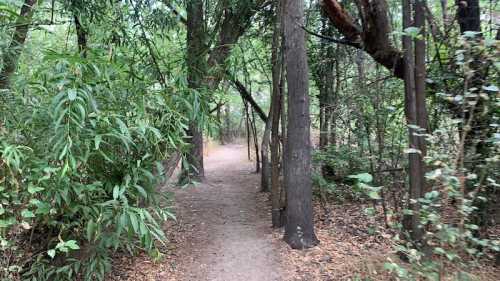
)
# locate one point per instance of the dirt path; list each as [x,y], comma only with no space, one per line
[227,224]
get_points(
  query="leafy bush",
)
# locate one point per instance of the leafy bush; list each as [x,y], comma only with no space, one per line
[340,162]
[336,166]
[80,151]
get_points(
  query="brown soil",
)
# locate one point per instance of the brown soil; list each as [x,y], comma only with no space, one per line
[223,233]
[231,237]
[223,230]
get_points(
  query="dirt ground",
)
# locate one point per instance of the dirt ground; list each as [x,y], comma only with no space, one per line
[223,233]
[223,230]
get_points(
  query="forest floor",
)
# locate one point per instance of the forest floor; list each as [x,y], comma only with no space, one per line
[223,230]
[223,233]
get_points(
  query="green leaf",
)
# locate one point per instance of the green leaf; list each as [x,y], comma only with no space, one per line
[133,221]
[141,191]
[374,195]
[412,150]
[116,192]
[34,189]
[72,94]
[491,88]
[364,177]
[27,214]
[90,229]
[97,141]
[51,253]
[412,31]
[72,245]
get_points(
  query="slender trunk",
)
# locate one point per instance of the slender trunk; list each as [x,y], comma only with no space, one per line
[81,36]
[266,166]
[412,81]
[221,125]
[323,121]
[228,135]
[247,122]
[255,143]
[299,228]
[276,62]
[337,81]
[11,56]
[283,135]
[420,84]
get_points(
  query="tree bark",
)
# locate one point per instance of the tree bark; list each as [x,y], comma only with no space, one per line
[81,36]
[444,11]
[326,83]
[414,80]
[233,25]
[276,62]
[266,165]
[255,143]
[196,72]
[247,96]
[468,15]
[373,37]
[299,228]
[236,19]
[221,126]
[11,56]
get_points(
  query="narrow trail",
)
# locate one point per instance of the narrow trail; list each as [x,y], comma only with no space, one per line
[229,234]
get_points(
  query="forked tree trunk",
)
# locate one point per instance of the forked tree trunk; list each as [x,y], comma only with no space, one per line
[299,227]
[232,27]
[11,56]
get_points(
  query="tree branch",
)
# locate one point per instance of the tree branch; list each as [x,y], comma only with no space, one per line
[331,39]
[246,95]
[373,36]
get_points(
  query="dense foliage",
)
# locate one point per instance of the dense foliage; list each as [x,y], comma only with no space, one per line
[96,95]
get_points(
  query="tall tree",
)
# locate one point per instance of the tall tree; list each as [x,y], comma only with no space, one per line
[276,62]
[234,22]
[415,111]
[196,73]
[13,52]
[299,227]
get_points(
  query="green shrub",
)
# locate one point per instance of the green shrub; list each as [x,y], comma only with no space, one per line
[80,151]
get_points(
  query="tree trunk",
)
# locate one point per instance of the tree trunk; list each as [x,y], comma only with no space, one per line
[264,148]
[444,11]
[468,15]
[247,123]
[196,72]
[420,84]
[255,143]
[234,24]
[81,36]
[276,62]
[299,228]
[221,125]
[11,56]
[414,96]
